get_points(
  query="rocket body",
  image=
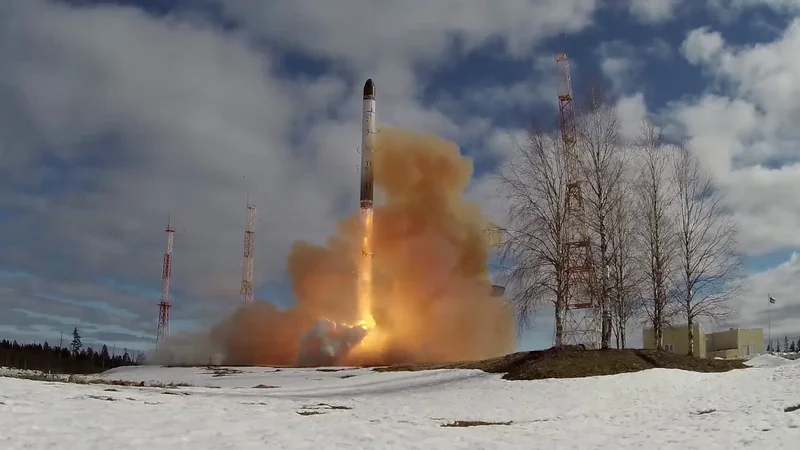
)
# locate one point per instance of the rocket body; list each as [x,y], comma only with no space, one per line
[368,130]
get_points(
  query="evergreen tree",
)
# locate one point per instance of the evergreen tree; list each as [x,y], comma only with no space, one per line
[793,347]
[47,358]
[778,346]
[76,342]
[104,352]
[786,343]
[769,346]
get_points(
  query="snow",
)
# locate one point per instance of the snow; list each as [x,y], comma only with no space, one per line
[307,408]
[767,360]
[10,372]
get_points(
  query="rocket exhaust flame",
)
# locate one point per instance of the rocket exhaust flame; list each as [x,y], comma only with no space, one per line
[365,272]
[402,282]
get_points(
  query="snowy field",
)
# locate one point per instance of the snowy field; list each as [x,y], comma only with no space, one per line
[362,409]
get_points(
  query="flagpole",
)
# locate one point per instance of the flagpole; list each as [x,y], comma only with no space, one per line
[769,321]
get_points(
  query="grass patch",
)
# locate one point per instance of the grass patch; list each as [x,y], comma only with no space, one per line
[472,423]
[791,408]
[312,410]
[325,405]
[223,371]
[577,362]
[102,397]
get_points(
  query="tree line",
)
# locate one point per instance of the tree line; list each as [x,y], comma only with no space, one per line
[73,359]
[660,242]
[788,346]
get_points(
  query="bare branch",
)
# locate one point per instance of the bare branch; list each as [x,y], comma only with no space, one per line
[533,184]
[706,234]
[603,166]
[654,196]
[626,279]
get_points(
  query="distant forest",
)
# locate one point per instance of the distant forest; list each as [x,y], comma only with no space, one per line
[73,359]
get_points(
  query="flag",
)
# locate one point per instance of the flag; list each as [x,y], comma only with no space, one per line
[771,300]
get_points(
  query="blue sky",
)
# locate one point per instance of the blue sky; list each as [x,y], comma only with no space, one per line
[116,114]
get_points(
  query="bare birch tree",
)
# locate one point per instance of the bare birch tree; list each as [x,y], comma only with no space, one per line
[533,185]
[625,276]
[602,167]
[656,231]
[709,267]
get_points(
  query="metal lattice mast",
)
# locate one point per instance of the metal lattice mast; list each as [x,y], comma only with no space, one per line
[581,313]
[247,266]
[162,340]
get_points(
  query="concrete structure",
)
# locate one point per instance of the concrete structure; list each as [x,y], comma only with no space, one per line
[730,344]
[736,343]
[676,339]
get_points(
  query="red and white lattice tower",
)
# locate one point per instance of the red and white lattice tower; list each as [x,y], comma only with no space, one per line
[162,340]
[247,266]
[581,312]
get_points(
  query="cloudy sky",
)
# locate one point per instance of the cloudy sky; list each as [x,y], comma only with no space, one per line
[116,114]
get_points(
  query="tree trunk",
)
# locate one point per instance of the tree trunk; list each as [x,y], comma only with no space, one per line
[559,333]
[607,325]
[658,321]
[689,324]
[605,307]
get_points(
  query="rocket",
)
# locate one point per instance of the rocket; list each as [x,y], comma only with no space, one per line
[368,130]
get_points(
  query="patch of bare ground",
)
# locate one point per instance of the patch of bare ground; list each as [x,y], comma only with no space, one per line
[320,408]
[471,423]
[577,362]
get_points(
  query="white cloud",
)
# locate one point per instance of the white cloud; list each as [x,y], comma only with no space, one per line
[747,131]
[744,129]
[701,44]
[728,7]
[781,283]
[123,118]
[620,64]
[370,32]
[660,49]
[632,112]
[654,11]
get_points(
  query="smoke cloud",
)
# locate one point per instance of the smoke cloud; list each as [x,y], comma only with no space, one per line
[432,297]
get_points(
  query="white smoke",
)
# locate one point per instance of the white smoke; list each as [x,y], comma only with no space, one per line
[327,343]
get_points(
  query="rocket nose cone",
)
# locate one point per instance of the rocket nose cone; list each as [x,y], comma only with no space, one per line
[369,89]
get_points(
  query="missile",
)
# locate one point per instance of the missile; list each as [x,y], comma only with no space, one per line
[367,132]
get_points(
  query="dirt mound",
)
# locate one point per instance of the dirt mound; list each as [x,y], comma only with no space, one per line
[576,362]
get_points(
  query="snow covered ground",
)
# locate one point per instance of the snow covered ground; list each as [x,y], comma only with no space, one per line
[361,409]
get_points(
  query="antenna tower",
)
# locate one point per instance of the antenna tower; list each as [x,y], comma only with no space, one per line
[247,267]
[162,340]
[581,312]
